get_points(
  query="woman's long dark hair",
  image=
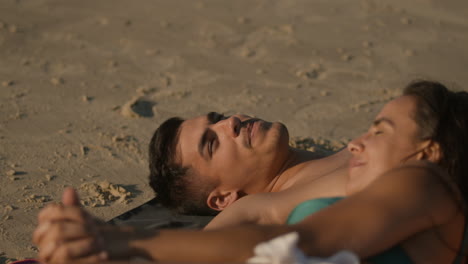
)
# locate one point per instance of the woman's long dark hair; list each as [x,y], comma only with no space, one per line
[442,116]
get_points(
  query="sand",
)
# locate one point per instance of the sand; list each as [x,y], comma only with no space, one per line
[83,84]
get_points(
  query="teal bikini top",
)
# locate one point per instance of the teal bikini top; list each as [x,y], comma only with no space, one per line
[395,254]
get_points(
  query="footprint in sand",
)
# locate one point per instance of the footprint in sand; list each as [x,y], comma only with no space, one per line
[138,107]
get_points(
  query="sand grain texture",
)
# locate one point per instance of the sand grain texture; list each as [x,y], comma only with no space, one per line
[85,83]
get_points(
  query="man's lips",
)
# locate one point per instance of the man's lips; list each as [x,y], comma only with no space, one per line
[254,130]
[251,127]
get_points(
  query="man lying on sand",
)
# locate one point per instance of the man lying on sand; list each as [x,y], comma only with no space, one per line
[405,202]
[205,164]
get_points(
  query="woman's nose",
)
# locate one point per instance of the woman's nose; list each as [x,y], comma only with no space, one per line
[356,146]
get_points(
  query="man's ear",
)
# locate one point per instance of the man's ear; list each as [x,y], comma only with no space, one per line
[219,200]
[431,152]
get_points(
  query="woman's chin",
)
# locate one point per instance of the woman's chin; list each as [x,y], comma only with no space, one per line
[353,185]
[350,188]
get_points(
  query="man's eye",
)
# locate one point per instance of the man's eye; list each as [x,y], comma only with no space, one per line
[377,132]
[210,147]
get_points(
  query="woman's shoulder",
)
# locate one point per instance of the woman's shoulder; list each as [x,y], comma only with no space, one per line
[422,184]
[431,194]
[423,178]
[416,174]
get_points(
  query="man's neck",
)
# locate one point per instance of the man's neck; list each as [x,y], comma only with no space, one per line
[297,167]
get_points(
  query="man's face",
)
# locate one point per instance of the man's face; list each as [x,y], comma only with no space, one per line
[389,142]
[236,152]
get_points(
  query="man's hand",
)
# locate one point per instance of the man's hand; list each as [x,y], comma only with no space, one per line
[67,233]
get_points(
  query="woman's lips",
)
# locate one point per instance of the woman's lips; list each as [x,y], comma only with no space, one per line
[353,163]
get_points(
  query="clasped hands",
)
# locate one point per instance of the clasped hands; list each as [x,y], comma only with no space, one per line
[67,233]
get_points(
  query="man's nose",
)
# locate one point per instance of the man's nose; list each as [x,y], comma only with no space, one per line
[231,126]
[356,146]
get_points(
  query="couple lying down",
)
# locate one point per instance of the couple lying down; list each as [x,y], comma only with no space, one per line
[397,194]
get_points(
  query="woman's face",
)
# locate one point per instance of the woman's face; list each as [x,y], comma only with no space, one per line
[391,140]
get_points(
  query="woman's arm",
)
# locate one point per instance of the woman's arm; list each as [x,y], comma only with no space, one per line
[231,245]
[72,237]
[396,206]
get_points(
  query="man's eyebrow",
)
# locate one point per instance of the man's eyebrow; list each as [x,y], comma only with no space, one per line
[383,120]
[212,116]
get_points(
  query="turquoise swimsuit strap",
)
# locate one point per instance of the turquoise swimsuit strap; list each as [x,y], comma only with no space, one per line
[464,246]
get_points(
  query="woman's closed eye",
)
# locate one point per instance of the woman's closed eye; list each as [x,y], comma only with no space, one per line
[375,130]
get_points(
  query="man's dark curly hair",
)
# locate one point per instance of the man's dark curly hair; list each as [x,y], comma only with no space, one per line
[176,187]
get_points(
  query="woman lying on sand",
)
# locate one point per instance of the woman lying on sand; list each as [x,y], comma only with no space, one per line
[406,201]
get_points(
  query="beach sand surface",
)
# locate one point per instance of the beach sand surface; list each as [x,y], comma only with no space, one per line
[83,84]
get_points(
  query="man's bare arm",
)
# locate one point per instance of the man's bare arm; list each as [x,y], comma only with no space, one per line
[251,209]
[274,208]
[262,208]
